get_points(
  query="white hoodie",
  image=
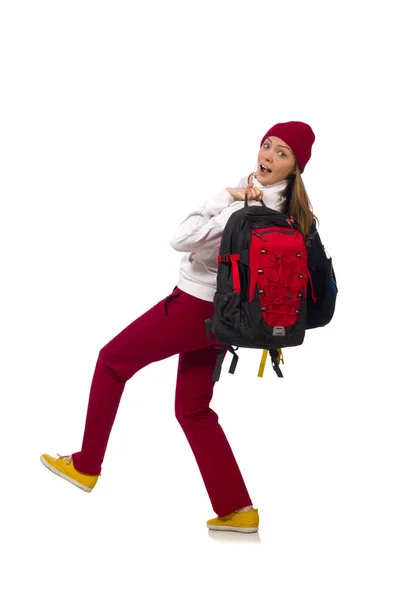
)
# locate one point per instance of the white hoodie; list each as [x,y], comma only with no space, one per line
[200,233]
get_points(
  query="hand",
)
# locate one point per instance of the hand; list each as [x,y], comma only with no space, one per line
[252,192]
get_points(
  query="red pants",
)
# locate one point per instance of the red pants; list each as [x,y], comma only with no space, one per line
[173,326]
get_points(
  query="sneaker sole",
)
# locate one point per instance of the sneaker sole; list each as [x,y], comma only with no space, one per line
[60,474]
[230,528]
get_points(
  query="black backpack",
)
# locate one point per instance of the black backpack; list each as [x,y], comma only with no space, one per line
[270,287]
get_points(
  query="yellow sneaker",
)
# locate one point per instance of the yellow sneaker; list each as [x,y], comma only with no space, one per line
[245,522]
[63,466]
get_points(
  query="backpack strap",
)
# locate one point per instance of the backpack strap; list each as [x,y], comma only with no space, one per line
[221,353]
[263,363]
[233,258]
[218,367]
[219,360]
[276,356]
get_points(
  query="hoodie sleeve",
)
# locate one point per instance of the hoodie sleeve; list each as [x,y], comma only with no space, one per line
[202,229]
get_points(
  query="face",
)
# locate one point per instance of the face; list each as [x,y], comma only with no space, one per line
[277,156]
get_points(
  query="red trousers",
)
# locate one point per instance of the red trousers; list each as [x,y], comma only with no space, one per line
[173,326]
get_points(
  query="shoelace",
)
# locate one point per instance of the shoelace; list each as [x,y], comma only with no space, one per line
[67,458]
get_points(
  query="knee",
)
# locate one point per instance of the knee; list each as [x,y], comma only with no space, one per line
[183,414]
[104,354]
[179,413]
[112,363]
[186,417]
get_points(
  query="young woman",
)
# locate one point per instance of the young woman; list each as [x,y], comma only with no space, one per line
[175,325]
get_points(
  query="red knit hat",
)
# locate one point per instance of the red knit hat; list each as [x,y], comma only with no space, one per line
[299,137]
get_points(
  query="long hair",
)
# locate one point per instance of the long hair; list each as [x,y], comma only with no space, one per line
[298,205]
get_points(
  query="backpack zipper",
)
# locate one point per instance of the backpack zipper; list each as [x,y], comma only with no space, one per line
[273,231]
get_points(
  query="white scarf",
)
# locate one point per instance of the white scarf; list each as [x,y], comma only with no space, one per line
[272,195]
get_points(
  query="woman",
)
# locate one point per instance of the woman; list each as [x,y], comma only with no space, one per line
[175,325]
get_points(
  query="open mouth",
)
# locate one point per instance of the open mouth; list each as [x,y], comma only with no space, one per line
[264,169]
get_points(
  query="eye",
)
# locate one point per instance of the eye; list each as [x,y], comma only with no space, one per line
[267,144]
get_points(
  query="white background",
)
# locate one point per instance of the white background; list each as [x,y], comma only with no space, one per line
[117,119]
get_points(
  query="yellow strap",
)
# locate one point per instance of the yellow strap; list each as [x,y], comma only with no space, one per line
[280,356]
[263,363]
[264,359]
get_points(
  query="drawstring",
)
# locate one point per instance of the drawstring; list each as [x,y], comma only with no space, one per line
[165,305]
[169,298]
[281,263]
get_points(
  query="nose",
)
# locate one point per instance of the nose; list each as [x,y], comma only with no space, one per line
[267,155]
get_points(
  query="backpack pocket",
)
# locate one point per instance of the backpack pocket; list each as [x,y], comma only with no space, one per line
[324,284]
[227,310]
[278,276]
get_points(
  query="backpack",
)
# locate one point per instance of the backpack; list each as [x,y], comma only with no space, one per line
[322,273]
[270,287]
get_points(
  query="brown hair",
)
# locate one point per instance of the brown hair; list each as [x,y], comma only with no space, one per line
[298,204]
